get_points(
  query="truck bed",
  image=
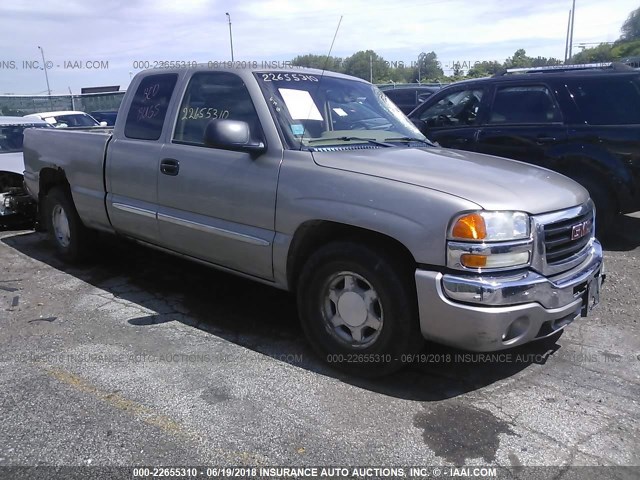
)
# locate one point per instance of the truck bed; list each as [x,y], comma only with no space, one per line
[81,153]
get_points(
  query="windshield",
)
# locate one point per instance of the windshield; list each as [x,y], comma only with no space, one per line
[314,111]
[12,136]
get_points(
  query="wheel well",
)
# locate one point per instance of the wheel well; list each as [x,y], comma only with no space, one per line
[52,177]
[312,235]
[49,178]
[578,170]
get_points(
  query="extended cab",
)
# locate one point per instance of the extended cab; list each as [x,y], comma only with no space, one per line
[314,182]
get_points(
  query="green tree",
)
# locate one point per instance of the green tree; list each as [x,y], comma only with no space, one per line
[484,69]
[311,60]
[519,60]
[601,53]
[626,49]
[365,62]
[544,62]
[428,68]
[631,27]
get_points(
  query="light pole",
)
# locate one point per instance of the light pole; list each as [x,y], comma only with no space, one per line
[573,20]
[230,35]
[46,75]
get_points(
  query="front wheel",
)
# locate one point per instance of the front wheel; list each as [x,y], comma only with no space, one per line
[69,236]
[358,309]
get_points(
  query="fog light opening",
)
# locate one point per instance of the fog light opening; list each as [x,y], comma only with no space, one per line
[516,330]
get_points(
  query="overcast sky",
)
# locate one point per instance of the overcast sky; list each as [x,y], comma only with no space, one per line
[121,32]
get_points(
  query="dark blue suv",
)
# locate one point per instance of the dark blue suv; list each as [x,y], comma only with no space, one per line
[583,122]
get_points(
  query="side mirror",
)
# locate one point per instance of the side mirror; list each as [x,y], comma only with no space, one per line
[103,124]
[231,135]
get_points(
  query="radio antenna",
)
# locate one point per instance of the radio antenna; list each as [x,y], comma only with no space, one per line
[324,67]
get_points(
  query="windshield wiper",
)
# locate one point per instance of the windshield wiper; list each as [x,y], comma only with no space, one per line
[348,139]
[411,139]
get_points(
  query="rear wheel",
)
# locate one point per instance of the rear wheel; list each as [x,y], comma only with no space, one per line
[69,236]
[358,309]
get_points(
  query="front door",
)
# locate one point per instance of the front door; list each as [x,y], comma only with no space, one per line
[213,204]
[452,121]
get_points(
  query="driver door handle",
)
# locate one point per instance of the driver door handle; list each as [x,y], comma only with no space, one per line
[170,166]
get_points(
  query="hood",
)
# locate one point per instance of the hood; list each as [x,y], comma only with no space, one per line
[12,162]
[493,183]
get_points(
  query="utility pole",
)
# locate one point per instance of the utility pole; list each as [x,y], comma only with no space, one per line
[230,35]
[371,68]
[573,20]
[566,43]
[73,105]
[46,76]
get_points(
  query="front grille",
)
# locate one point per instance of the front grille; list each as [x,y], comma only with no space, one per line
[557,239]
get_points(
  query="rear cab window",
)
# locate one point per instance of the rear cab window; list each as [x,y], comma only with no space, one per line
[607,100]
[149,107]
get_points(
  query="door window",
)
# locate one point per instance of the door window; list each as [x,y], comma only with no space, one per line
[149,107]
[214,95]
[456,109]
[608,100]
[524,104]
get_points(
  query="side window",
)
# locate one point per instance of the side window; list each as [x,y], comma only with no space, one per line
[214,95]
[456,109]
[402,96]
[149,107]
[524,104]
[608,101]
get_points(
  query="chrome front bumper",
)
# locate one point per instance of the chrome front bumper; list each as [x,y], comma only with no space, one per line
[493,312]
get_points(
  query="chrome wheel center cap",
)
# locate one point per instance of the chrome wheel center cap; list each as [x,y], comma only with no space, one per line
[352,309]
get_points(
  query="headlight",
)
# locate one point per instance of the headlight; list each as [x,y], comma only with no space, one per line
[490,226]
[489,240]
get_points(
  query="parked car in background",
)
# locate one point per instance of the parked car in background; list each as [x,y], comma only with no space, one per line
[108,116]
[68,118]
[314,182]
[408,97]
[15,205]
[582,121]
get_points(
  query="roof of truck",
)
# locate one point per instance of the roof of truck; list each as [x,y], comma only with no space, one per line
[251,67]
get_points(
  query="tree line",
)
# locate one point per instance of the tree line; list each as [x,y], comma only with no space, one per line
[369,65]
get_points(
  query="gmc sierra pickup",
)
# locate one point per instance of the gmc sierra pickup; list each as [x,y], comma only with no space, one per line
[316,183]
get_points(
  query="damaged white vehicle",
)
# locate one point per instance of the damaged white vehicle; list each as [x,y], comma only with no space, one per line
[16,207]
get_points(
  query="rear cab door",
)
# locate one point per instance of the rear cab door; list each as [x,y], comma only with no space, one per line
[132,158]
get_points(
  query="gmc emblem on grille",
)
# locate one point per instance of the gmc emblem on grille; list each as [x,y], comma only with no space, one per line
[580,230]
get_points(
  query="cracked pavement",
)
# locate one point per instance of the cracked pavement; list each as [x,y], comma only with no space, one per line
[140,358]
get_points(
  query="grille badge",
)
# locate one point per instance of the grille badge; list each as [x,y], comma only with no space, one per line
[581,229]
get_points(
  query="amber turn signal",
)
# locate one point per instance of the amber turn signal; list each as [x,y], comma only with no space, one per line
[473,261]
[470,227]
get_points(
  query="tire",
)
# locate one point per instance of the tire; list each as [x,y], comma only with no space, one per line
[605,204]
[70,238]
[371,300]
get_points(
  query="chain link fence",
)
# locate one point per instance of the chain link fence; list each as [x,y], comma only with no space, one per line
[19,105]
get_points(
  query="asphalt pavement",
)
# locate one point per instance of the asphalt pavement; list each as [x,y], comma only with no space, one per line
[140,358]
